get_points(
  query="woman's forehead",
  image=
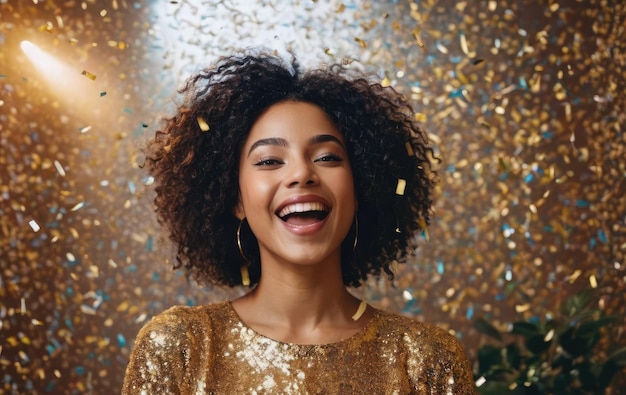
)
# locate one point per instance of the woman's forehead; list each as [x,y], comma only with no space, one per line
[294,120]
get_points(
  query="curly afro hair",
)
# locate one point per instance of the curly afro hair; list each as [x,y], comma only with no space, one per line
[194,160]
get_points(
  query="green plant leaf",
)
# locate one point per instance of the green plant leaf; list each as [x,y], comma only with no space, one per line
[562,381]
[514,356]
[577,345]
[607,373]
[587,315]
[563,362]
[582,347]
[552,324]
[489,358]
[536,344]
[592,328]
[586,376]
[485,327]
[525,329]
[494,388]
[578,302]
[618,357]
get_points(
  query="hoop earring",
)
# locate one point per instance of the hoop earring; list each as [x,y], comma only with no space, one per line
[356,233]
[245,274]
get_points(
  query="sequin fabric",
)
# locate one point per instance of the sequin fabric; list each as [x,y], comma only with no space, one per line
[208,350]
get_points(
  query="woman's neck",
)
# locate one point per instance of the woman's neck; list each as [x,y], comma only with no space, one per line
[304,305]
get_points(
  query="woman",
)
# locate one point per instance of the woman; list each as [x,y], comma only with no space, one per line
[297,185]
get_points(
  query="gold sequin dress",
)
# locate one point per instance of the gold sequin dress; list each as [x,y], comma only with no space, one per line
[208,350]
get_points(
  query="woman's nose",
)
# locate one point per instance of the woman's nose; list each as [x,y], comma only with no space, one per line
[301,173]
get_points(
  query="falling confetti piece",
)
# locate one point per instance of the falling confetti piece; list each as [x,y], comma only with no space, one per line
[386,82]
[34,225]
[400,186]
[362,43]
[202,123]
[78,206]
[89,75]
[59,168]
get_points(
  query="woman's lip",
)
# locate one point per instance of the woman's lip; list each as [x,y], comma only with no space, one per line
[303,230]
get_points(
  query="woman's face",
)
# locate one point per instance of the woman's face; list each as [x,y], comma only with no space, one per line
[296,185]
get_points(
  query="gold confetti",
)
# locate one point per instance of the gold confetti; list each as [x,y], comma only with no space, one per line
[420,117]
[400,186]
[89,75]
[574,276]
[593,281]
[202,123]
[386,81]
[416,35]
[47,27]
[362,43]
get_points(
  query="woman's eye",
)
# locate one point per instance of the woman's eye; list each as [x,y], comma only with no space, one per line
[329,158]
[268,162]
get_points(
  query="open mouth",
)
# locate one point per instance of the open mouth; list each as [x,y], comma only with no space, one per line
[303,213]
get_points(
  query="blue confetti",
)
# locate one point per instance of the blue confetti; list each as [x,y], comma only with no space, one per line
[440,266]
[529,177]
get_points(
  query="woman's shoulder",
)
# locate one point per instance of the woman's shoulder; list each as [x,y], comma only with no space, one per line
[425,335]
[432,354]
[186,312]
[170,349]
[184,320]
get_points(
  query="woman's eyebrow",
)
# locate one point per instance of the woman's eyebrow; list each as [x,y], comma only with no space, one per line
[324,138]
[317,139]
[268,141]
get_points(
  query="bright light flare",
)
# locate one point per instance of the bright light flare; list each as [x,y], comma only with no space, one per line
[46,63]
[29,48]
[70,83]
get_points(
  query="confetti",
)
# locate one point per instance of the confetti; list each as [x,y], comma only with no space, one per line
[362,43]
[59,168]
[89,75]
[34,225]
[202,123]
[400,186]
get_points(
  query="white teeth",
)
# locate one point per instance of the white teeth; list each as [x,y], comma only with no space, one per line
[302,208]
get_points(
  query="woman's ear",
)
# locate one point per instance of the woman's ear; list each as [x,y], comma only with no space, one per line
[238,211]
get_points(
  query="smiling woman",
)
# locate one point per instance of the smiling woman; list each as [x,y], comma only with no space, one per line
[296,189]
[298,184]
